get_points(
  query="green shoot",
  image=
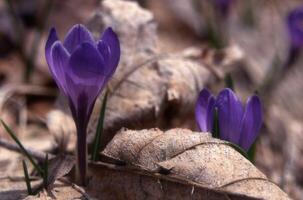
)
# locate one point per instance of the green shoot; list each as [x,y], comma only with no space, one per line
[99,130]
[45,170]
[26,177]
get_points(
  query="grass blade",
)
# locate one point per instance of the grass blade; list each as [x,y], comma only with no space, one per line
[27,180]
[11,133]
[45,170]
[99,130]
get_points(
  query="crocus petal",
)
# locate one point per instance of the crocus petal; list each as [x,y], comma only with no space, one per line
[251,123]
[85,73]
[77,35]
[230,112]
[86,62]
[295,29]
[58,66]
[205,111]
[109,47]
[52,38]
[223,6]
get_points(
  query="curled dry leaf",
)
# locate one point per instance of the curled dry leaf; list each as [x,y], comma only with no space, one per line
[177,164]
[59,167]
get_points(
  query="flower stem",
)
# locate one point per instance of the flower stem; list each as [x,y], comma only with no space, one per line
[81,157]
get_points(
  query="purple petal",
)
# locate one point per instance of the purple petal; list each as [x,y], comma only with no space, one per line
[230,112]
[251,123]
[86,62]
[85,74]
[52,38]
[76,36]
[109,47]
[58,66]
[295,29]
[205,111]
[223,6]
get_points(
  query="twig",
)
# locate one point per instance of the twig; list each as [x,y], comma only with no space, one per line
[39,155]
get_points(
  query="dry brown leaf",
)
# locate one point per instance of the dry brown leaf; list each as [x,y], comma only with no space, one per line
[112,182]
[189,160]
[59,167]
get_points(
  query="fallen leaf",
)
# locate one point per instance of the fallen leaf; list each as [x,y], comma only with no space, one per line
[159,163]
[59,167]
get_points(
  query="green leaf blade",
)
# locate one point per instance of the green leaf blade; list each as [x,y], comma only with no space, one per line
[14,137]
[99,130]
[26,177]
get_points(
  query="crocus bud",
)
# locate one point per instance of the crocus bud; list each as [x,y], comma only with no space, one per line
[81,67]
[237,125]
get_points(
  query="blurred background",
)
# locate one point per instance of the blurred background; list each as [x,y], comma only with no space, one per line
[247,41]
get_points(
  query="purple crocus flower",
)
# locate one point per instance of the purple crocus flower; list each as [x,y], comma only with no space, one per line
[237,125]
[295,32]
[81,68]
[223,6]
[295,27]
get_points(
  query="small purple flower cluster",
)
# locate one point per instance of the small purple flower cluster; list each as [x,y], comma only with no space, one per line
[236,124]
